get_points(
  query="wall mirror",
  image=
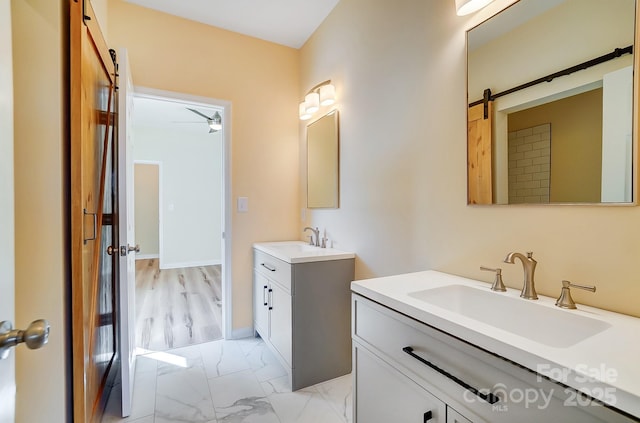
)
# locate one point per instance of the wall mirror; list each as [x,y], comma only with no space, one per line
[323,162]
[550,94]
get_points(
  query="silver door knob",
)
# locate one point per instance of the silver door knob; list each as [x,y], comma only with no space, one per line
[34,337]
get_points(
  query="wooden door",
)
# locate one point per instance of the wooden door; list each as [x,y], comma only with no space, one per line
[94,201]
[7,254]
[479,155]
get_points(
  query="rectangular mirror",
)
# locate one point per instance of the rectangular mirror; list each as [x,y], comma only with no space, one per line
[550,94]
[322,162]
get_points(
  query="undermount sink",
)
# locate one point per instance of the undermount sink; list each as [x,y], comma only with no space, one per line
[537,322]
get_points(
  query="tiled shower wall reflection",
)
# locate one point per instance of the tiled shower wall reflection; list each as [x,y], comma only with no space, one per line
[530,164]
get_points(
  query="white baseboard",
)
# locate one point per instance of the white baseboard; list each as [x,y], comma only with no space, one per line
[164,266]
[242,333]
[147,256]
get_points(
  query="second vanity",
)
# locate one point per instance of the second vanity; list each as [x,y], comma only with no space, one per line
[302,308]
[434,347]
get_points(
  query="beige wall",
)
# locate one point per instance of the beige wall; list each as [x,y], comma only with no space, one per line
[41,202]
[146,186]
[260,79]
[100,7]
[576,144]
[399,70]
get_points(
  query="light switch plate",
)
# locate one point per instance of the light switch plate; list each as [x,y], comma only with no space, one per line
[243,204]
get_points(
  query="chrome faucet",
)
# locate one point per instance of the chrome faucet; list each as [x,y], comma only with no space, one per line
[529,267]
[316,232]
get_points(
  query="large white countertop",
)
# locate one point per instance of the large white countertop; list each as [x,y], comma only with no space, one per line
[605,365]
[301,252]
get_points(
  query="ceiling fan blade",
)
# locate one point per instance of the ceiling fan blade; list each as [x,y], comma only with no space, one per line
[198,113]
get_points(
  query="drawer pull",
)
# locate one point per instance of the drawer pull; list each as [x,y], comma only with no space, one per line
[427,416]
[490,398]
[273,269]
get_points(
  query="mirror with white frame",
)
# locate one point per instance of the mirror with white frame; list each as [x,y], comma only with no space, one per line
[322,162]
[553,84]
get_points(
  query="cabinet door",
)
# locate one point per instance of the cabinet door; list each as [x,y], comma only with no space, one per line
[260,304]
[383,394]
[280,328]
[454,417]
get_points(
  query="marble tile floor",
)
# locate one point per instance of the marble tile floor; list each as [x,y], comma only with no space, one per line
[232,381]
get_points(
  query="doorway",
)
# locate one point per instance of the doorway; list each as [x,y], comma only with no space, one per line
[189,253]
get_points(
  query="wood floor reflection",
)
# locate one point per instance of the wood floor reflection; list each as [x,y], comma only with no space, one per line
[177,307]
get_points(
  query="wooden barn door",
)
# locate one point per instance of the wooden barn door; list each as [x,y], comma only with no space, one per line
[479,154]
[94,210]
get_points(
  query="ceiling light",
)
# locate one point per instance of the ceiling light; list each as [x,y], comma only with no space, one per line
[215,123]
[465,7]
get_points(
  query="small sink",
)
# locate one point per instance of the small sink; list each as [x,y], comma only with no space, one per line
[301,252]
[549,326]
[295,247]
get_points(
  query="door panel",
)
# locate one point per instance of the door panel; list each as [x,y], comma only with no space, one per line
[383,394]
[7,258]
[280,320]
[261,304]
[94,211]
[479,154]
[127,287]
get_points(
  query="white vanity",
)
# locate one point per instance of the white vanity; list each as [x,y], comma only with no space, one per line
[302,308]
[434,347]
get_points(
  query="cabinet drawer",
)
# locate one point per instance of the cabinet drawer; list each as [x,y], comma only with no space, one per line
[521,395]
[273,268]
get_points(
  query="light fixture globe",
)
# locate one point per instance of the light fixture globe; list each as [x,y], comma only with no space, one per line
[465,7]
[312,101]
[327,95]
[302,112]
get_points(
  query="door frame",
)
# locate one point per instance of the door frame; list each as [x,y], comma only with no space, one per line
[225,105]
[7,204]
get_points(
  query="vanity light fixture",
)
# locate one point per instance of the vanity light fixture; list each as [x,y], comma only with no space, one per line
[322,94]
[465,7]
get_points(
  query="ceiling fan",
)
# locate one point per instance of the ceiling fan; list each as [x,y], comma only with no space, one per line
[214,122]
